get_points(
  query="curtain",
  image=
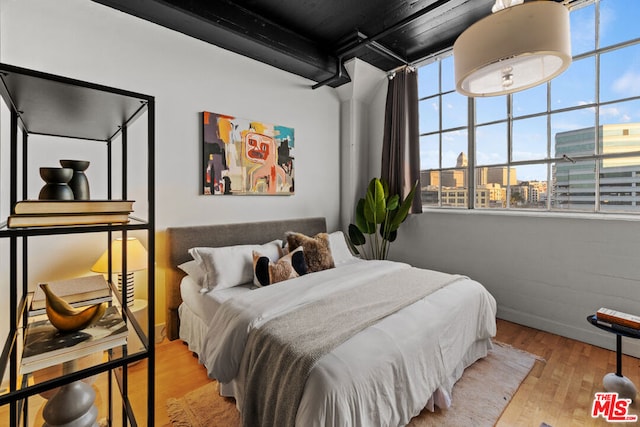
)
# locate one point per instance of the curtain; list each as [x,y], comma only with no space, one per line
[400,146]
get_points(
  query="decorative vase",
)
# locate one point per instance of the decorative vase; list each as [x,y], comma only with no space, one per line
[73,405]
[56,187]
[79,183]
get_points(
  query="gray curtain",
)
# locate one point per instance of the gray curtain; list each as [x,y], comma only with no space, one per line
[400,146]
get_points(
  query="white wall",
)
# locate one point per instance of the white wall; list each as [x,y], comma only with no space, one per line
[356,124]
[547,272]
[88,41]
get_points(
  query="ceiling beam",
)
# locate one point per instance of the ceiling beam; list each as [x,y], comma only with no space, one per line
[229,26]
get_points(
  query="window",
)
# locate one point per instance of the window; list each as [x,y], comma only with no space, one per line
[572,144]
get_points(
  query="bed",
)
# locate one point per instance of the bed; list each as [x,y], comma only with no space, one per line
[383,372]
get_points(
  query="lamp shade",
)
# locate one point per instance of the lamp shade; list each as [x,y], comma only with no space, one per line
[513,49]
[136,257]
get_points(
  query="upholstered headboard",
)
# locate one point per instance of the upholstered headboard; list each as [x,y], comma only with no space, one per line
[180,239]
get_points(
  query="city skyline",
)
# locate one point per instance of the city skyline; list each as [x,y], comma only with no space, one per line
[572,181]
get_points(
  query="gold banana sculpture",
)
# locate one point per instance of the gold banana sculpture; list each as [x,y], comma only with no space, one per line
[67,318]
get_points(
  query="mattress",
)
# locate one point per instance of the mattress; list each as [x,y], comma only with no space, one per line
[206,307]
[197,309]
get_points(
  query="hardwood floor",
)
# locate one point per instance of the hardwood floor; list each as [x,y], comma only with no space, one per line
[177,372]
[558,392]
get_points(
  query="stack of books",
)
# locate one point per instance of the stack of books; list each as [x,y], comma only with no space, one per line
[78,292]
[45,346]
[48,213]
[618,320]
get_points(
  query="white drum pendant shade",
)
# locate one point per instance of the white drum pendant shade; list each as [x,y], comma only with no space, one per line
[513,49]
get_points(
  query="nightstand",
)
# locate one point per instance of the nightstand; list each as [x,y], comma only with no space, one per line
[616,382]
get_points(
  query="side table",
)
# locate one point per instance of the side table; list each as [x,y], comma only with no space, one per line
[616,382]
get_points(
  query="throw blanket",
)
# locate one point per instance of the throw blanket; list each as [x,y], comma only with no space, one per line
[280,354]
[228,330]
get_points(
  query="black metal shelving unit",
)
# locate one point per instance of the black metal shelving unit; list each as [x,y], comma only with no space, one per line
[50,105]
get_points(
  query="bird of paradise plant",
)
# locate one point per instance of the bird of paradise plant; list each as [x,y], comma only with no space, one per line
[379,216]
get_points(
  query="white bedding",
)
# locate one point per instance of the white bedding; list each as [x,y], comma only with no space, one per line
[197,310]
[205,308]
[383,375]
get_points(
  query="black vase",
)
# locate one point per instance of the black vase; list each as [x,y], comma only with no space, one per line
[79,183]
[56,187]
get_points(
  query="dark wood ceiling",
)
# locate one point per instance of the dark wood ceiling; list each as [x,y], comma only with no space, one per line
[312,38]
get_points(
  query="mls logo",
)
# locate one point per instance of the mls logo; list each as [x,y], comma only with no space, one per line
[612,409]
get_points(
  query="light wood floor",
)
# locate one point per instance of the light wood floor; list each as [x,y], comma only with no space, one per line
[558,392]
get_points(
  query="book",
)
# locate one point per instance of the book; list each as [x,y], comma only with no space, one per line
[45,346]
[78,292]
[618,317]
[89,301]
[45,220]
[72,206]
[56,360]
[619,328]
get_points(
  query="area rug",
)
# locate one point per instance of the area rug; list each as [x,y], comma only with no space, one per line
[479,397]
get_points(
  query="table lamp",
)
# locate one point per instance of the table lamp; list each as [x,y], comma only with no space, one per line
[136,260]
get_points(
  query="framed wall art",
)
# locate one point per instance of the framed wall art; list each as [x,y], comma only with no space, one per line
[245,157]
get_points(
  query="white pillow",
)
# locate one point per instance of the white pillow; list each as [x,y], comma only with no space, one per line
[339,249]
[194,271]
[230,266]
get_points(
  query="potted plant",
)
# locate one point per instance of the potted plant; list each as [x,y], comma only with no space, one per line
[378,215]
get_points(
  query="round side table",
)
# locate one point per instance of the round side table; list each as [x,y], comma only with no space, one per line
[616,382]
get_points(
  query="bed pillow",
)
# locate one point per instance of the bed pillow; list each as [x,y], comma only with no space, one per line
[339,249]
[317,252]
[194,271]
[230,266]
[267,272]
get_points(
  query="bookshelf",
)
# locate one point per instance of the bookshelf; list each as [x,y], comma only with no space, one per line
[56,107]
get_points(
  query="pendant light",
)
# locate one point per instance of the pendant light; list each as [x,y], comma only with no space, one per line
[518,46]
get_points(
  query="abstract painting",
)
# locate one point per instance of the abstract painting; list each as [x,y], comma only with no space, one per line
[245,157]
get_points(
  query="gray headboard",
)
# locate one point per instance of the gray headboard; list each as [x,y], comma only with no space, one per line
[180,239]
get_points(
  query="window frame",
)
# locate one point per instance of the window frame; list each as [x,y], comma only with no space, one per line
[551,158]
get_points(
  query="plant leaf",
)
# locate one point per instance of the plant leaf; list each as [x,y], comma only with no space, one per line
[384,231]
[385,187]
[355,235]
[381,230]
[392,235]
[402,212]
[361,221]
[375,203]
[392,203]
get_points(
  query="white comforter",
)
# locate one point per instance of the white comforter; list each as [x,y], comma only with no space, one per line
[383,375]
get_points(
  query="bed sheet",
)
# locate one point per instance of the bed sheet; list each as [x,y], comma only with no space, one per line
[384,375]
[201,308]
